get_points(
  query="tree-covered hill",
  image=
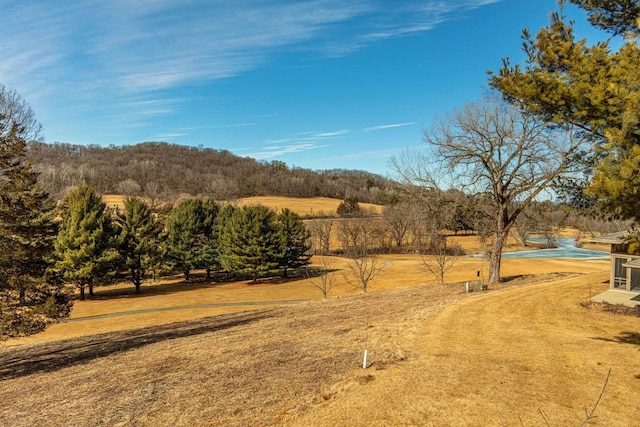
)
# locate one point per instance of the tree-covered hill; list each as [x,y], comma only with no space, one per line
[159,170]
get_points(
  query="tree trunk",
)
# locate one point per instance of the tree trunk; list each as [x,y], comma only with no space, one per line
[91,290]
[137,282]
[208,274]
[82,296]
[496,257]
[186,274]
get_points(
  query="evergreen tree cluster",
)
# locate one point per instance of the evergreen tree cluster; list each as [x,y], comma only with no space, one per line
[251,240]
[30,296]
[96,246]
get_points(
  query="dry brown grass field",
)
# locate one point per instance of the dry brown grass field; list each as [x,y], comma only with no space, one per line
[437,356]
[306,207]
[116,308]
[310,207]
[241,354]
[113,200]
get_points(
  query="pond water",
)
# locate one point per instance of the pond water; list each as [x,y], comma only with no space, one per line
[566,249]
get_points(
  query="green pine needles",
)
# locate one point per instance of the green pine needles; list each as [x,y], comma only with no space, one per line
[31,296]
[592,88]
[138,240]
[84,248]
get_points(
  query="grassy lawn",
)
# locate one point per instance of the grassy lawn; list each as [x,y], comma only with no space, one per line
[233,353]
[192,300]
[437,356]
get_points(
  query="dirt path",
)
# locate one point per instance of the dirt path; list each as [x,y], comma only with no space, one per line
[511,358]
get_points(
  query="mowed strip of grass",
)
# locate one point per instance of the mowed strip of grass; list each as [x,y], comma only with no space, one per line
[437,356]
[529,356]
[175,300]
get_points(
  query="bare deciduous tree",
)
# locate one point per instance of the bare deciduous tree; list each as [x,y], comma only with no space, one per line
[441,258]
[128,187]
[363,270]
[492,149]
[320,277]
[320,230]
[15,111]
[153,192]
[357,236]
[398,219]
[525,225]
[432,209]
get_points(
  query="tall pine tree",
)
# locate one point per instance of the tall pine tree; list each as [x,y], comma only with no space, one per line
[138,239]
[85,252]
[209,256]
[594,88]
[250,242]
[295,240]
[29,297]
[184,227]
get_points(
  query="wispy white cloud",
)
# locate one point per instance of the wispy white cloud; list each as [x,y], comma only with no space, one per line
[389,126]
[273,151]
[372,154]
[171,43]
[122,57]
[132,112]
[308,137]
[170,135]
[330,134]
[148,45]
[403,19]
[149,112]
[301,141]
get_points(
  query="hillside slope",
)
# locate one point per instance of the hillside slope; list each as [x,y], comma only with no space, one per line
[437,356]
[515,358]
[162,171]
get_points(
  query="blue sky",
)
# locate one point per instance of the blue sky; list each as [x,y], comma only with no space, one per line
[318,84]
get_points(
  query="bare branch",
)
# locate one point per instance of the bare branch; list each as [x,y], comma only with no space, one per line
[320,276]
[496,151]
[441,258]
[17,115]
[589,415]
[362,271]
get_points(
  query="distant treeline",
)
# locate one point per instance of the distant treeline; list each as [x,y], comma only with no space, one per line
[162,171]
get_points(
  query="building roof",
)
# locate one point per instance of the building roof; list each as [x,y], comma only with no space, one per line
[613,238]
[634,263]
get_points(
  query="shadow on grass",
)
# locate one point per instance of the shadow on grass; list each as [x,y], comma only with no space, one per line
[318,271]
[21,361]
[624,338]
[151,290]
[196,282]
[507,279]
[276,280]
